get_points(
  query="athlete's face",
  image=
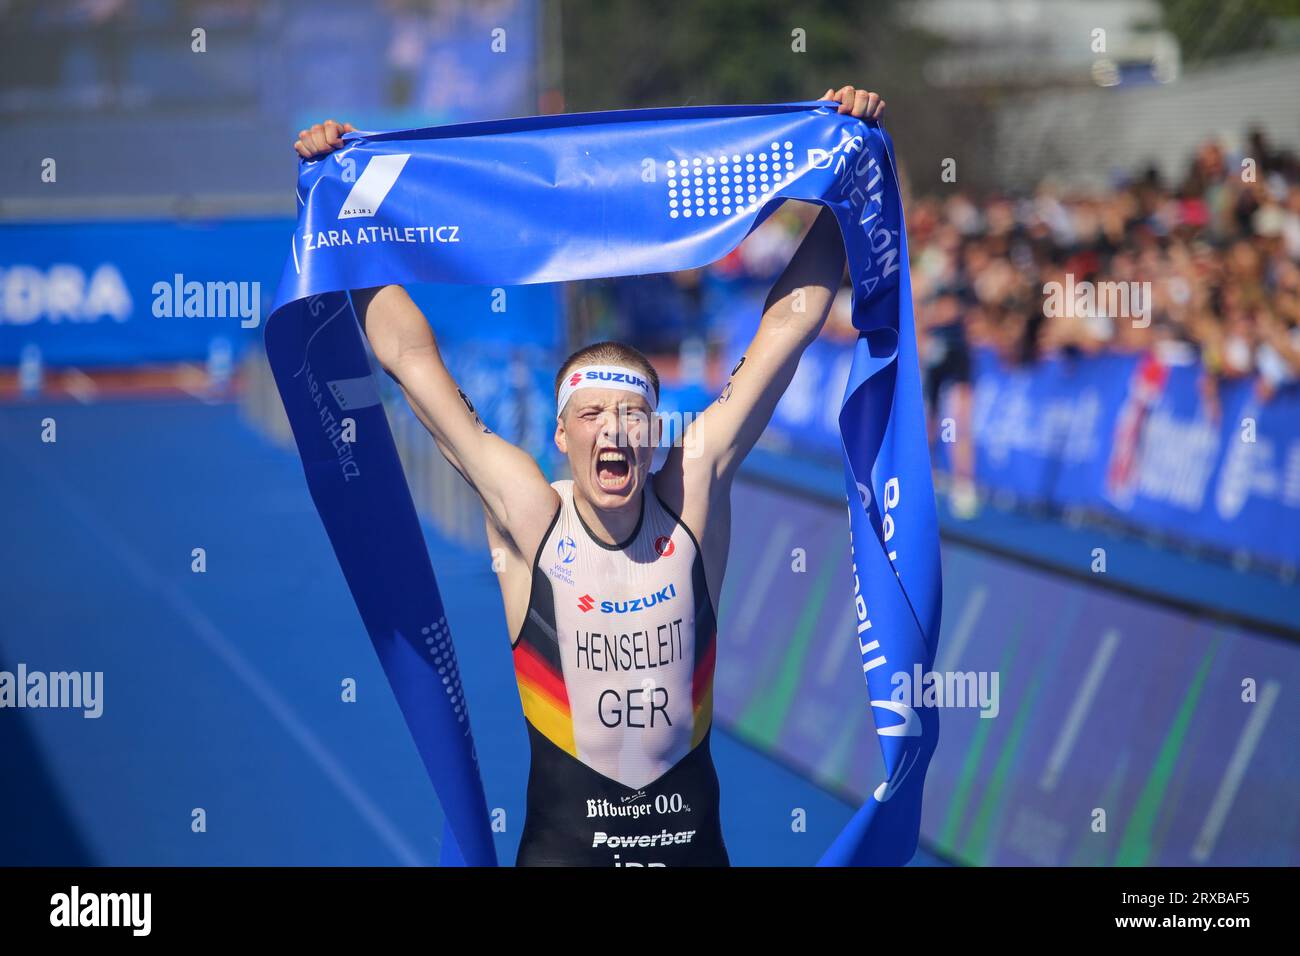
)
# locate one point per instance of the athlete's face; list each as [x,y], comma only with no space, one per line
[606,434]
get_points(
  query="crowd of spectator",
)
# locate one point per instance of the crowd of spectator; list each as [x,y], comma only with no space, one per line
[1217,254]
[1213,261]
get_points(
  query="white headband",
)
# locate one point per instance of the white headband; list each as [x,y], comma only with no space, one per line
[604,376]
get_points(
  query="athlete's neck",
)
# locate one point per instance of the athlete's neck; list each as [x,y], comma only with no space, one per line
[612,526]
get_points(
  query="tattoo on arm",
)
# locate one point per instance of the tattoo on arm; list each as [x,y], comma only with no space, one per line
[478,422]
[726,389]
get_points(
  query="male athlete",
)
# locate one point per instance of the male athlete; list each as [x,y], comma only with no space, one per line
[612,578]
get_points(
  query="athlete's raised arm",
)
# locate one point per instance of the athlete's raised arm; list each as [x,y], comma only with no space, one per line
[516,496]
[793,316]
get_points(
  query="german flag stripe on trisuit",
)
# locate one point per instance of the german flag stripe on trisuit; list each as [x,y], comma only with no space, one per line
[544,697]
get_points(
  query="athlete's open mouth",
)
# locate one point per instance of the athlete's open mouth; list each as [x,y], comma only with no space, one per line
[613,469]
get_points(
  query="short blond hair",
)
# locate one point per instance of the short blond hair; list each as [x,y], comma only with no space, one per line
[608,353]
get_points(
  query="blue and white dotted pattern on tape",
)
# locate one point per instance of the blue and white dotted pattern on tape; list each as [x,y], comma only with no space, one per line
[438,637]
[707,185]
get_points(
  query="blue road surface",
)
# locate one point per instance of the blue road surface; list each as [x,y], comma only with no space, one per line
[223,689]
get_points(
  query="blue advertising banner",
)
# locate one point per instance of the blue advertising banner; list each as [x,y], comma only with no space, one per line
[1122,435]
[124,293]
[117,293]
[1229,475]
[1080,698]
[1127,436]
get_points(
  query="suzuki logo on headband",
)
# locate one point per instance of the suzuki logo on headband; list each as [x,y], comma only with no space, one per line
[369,191]
[612,377]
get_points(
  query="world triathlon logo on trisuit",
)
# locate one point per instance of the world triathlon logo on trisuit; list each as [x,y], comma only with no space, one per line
[587,602]
[566,552]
